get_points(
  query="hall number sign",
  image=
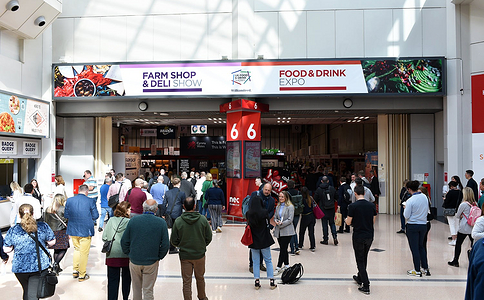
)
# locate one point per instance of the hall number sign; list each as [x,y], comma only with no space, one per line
[243,126]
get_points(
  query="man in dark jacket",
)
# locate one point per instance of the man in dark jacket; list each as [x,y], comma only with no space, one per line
[344,199]
[146,242]
[81,212]
[173,204]
[191,233]
[472,184]
[269,203]
[187,187]
[326,196]
[374,186]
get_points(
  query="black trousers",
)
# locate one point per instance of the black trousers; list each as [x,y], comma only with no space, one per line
[114,274]
[458,245]
[283,254]
[344,214]
[29,283]
[361,247]
[251,263]
[307,221]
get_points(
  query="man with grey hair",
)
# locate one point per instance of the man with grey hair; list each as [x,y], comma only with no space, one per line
[187,186]
[136,197]
[145,249]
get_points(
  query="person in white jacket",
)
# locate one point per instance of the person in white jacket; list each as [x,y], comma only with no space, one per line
[478,229]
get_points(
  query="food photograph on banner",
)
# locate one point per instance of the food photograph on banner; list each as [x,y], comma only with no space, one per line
[234,159]
[22,116]
[252,159]
[249,78]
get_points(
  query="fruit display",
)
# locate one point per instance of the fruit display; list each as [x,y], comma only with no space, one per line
[403,76]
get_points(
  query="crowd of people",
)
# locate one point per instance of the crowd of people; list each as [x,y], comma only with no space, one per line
[192,206]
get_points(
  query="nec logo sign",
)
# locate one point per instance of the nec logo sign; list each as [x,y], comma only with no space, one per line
[234,200]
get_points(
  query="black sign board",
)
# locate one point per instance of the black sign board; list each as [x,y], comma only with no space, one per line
[202,145]
[166,132]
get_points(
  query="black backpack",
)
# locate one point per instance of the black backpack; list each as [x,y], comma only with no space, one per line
[292,274]
[297,201]
[327,201]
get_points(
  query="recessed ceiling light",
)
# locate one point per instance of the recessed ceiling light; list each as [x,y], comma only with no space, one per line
[348,121]
[278,121]
[289,118]
[279,118]
[356,117]
[220,118]
[163,114]
[225,121]
[210,119]
[284,118]
[359,121]
[155,113]
[367,117]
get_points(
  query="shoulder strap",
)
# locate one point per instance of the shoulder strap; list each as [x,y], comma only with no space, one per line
[119,224]
[119,191]
[38,244]
[58,218]
[174,201]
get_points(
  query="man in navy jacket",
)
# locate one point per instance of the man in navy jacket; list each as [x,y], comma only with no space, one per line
[81,212]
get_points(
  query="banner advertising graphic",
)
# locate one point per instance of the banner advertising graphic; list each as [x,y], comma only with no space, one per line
[251,78]
[252,159]
[20,116]
[234,159]
[166,132]
[202,146]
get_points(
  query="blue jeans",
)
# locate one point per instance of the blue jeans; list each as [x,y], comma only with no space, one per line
[204,211]
[104,211]
[415,235]
[266,254]
[402,218]
[294,243]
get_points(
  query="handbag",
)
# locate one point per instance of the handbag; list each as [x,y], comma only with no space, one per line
[168,218]
[114,199]
[48,278]
[338,218]
[247,237]
[109,244]
[318,213]
[448,212]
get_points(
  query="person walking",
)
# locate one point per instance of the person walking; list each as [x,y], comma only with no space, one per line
[206,185]
[173,205]
[258,220]
[297,201]
[452,199]
[54,217]
[308,220]
[362,216]
[216,203]
[191,234]
[116,261]
[21,238]
[465,230]
[105,209]
[81,212]
[416,210]
[284,229]
[145,241]
[326,198]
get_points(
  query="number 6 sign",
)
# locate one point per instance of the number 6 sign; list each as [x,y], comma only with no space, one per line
[243,126]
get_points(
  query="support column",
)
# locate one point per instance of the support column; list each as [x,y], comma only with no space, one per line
[103,149]
[243,150]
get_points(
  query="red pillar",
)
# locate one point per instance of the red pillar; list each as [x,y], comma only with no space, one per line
[243,150]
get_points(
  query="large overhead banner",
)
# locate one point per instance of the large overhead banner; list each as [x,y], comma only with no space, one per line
[20,116]
[252,78]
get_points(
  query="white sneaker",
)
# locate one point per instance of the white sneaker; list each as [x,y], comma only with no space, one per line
[219,229]
[279,271]
[452,243]
[214,232]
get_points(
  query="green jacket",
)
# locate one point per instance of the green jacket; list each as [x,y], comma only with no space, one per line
[145,239]
[109,230]
[192,234]
[206,185]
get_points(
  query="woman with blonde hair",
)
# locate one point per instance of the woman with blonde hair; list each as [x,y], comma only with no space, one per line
[22,238]
[116,261]
[54,217]
[464,229]
[17,192]
[284,229]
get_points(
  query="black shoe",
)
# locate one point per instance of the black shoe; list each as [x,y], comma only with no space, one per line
[323,242]
[357,280]
[449,238]
[335,241]
[401,231]
[100,229]
[364,290]
[257,284]
[453,263]
[273,284]
[347,230]
[263,268]
[340,231]
[251,269]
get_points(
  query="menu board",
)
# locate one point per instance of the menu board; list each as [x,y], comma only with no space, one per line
[233,159]
[184,165]
[21,116]
[252,161]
